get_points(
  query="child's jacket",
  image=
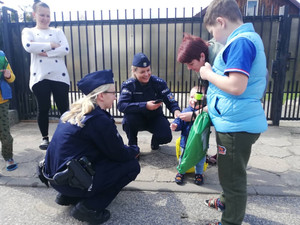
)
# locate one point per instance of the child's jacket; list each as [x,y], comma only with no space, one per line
[242,113]
[184,127]
[5,89]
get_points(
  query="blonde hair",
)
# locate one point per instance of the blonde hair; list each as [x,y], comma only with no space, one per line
[194,88]
[83,106]
[133,69]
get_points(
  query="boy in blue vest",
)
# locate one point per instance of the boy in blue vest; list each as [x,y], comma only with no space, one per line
[236,84]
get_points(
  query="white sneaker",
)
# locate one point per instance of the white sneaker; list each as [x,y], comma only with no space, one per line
[45,143]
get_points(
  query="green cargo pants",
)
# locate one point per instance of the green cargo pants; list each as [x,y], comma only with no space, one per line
[5,136]
[234,151]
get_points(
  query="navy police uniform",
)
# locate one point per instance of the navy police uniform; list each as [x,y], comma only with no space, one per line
[137,117]
[114,163]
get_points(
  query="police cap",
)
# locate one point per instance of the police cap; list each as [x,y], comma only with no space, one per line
[93,80]
[140,60]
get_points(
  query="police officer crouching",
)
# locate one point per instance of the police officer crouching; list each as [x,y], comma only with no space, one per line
[87,161]
[141,101]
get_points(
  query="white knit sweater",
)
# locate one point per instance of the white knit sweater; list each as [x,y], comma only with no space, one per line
[53,67]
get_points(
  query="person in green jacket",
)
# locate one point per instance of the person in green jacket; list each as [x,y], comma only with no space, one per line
[6,76]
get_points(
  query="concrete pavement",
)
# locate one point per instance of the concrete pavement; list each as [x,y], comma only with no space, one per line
[273,169]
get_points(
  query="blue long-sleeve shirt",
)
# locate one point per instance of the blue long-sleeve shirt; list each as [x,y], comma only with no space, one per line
[184,127]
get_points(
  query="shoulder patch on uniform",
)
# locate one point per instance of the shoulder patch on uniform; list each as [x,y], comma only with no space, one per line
[165,90]
[129,81]
[125,91]
[171,97]
[158,79]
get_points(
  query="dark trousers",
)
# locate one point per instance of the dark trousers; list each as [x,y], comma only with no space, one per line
[234,151]
[109,179]
[42,91]
[158,125]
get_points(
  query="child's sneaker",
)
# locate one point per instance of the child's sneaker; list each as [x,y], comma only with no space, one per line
[215,203]
[11,165]
[199,179]
[212,160]
[179,178]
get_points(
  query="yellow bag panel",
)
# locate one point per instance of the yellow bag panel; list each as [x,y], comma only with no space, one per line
[178,152]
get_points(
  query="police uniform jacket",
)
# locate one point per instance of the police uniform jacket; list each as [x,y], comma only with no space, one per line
[134,96]
[98,140]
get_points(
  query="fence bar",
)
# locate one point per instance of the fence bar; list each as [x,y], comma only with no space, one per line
[97,38]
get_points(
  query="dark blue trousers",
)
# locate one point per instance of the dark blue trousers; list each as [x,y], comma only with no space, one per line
[109,179]
[158,125]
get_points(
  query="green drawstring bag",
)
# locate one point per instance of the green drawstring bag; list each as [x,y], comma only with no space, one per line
[197,143]
[3,63]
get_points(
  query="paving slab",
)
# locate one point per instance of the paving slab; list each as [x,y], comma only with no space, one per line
[274,166]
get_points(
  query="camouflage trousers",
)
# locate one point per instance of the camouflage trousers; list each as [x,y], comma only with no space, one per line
[5,136]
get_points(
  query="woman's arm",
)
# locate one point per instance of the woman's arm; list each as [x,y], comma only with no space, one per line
[108,140]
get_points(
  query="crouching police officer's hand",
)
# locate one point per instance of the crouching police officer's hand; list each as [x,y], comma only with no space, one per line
[151,105]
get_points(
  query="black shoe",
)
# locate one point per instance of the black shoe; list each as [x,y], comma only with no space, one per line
[66,200]
[179,178]
[154,146]
[154,143]
[45,143]
[199,179]
[80,212]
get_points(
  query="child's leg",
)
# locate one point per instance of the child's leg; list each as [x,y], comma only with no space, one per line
[181,155]
[5,136]
[198,171]
[199,166]
[180,176]
[234,151]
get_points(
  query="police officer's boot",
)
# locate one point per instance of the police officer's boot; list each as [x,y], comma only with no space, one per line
[66,200]
[154,144]
[80,212]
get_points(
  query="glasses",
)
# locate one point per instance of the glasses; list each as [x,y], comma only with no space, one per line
[110,92]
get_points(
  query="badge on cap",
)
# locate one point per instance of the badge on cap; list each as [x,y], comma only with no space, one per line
[140,60]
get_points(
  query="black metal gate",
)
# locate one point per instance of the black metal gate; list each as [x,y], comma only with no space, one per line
[102,44]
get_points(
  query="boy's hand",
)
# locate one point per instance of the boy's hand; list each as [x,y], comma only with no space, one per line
[205,70]
[6,73]
[173,126]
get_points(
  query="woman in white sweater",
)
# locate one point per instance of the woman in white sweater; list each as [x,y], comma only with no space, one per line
[48,72]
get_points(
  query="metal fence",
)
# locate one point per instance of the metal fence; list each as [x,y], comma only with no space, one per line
[98,44]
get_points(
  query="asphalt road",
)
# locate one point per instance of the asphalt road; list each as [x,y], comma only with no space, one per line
[25,205]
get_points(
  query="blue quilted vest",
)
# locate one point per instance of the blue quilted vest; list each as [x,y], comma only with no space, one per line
[242,113]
